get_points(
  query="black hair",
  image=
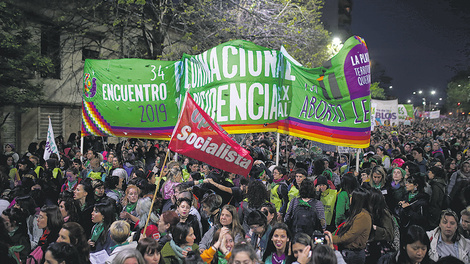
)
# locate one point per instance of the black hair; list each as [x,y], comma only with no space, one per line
[323,254]
[54,221]
[180,232]
[438,172]
[270,248]
[64,252]
[256,217]
[149,246]
[411,235]
[307,189]
[257,194]
[349,183]
[359,201]
[108,211]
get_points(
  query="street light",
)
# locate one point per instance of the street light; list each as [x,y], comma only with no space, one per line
[409,101]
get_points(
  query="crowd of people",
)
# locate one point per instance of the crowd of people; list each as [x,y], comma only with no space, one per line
[407,201]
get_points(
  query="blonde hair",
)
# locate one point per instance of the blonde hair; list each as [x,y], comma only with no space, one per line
[120,231]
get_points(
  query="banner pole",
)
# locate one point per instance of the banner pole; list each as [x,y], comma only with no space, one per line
[81,148]
[277,148]
[156,190]
[357,159]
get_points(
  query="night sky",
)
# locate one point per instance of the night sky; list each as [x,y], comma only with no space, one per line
[418,43]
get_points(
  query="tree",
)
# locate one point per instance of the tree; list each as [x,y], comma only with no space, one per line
[458,92]
[20,60]
[377,92]
[293,24]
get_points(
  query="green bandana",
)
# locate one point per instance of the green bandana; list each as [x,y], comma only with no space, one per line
[97,230]
[222,259]
[304,203]
[115,246]
[130,207]
[412,195]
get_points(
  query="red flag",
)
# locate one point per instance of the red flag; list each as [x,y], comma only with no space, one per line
[197,136]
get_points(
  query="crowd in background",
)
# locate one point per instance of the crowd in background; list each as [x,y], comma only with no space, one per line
[408,201]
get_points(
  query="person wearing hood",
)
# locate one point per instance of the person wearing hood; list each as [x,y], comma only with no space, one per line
[436,178]
[327,197]
[279,190]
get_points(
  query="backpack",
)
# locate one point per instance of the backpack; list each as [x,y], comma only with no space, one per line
[36,256]
[447,200]
[305,219]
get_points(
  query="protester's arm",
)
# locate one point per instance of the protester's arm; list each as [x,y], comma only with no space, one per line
[218,186]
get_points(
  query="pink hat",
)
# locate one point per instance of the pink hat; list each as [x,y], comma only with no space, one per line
[399,162]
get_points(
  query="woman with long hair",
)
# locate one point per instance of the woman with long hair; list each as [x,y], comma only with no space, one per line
[229,219]
[103,216]
[277,249]
[437,181]
[256,196]
[414,247]
[68,209]
[14,220]
[28,205]
[84,195]
[381,235]
[352,236]
[298,244]
[50,220]
[183,241]
[348,185]
[73,233]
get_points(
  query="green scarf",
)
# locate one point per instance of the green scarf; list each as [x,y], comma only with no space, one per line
[130,207]
[115,246]
[97,230]
[412,195]
[179,251]
[304,203]
[221,258]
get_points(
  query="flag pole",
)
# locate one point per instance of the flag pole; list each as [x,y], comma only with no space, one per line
[81,148]
[277,148]
[357,159]
[156,190]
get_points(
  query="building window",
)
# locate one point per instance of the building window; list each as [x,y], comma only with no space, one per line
[89,54]
[50,47]
[56,119]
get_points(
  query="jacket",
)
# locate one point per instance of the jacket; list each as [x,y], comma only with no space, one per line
[208,255]
[384,229]
[438,187]
[416,213]
[358,234]
[342,206]
[263,241]
[463,244]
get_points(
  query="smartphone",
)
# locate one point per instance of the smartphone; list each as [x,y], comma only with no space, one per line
[319,239]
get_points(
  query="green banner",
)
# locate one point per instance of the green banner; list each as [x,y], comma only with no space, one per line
[244,87]
[130,98]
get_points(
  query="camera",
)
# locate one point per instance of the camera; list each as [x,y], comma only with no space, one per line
[319,238]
